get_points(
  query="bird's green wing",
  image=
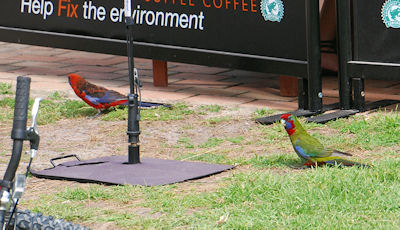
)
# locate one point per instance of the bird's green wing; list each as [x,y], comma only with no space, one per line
[311,146]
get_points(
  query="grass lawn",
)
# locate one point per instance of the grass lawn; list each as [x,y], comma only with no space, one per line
[262,192]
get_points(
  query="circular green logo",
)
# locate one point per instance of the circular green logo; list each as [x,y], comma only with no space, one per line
[391,13]
[272,10]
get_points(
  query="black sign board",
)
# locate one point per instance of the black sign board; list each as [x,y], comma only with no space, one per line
[233,33]
[376,31]
[368,32]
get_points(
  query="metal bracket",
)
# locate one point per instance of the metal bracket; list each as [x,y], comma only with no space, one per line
[63,157]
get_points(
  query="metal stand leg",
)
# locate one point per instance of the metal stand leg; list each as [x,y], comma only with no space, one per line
[313,57]
[133,154]
[133,130]
[359,94]
[303,93]
[133,104]
[343,31]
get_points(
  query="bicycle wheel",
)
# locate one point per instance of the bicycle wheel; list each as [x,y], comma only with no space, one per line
[27,220]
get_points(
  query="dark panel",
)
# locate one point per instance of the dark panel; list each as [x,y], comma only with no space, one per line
[374,70]
[156,51]
[238,26]
[375,40]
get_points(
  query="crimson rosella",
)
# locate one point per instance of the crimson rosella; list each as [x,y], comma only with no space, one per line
[309,149]
[99,97]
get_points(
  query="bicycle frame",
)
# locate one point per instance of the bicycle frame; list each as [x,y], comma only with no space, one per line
[19,133]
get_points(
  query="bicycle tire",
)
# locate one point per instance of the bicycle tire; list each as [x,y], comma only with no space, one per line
[27,220]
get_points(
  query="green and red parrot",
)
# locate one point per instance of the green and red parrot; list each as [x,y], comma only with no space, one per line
[309,149]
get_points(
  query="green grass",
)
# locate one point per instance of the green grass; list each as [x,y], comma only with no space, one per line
[263,113]
[321,198]
[50,110]
[382,129]
[236,140]
[208,156]
[185,142]
[5,88]
[205,109]
[56,107]
[263,193]
[274,160]
[211,142]
[161,113]
[217,120]
[80,194]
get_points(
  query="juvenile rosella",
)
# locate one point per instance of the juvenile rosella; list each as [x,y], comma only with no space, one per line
[99,97]
[309,149]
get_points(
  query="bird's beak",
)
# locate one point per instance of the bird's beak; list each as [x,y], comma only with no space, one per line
[283,121]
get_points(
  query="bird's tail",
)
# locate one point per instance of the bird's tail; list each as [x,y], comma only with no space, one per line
[348,163]
[144,104]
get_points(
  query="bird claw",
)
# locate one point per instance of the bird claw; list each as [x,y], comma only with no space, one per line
[307,165]
[96,115]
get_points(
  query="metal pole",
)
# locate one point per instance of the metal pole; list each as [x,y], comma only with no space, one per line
[133,105]
[302,93]
[313,56]
[343,35]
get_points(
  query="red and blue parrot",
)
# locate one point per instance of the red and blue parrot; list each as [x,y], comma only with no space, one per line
[309,149]
[99,97]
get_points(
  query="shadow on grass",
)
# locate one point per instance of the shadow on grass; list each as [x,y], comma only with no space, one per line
[276,160]
[287,160]
[207,157]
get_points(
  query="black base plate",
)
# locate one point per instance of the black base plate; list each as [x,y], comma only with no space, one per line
[114,170]
[298,113]
[346,113]
[322,119]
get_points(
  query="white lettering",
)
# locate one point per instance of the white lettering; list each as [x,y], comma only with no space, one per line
[153,18]
[101,13]
[43,7]
[167,19]
[201,17]
[28,4]
[161,16]
[183,21]
[93,12]
[48,9]
[114,15]
[36,7]
[170,17]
